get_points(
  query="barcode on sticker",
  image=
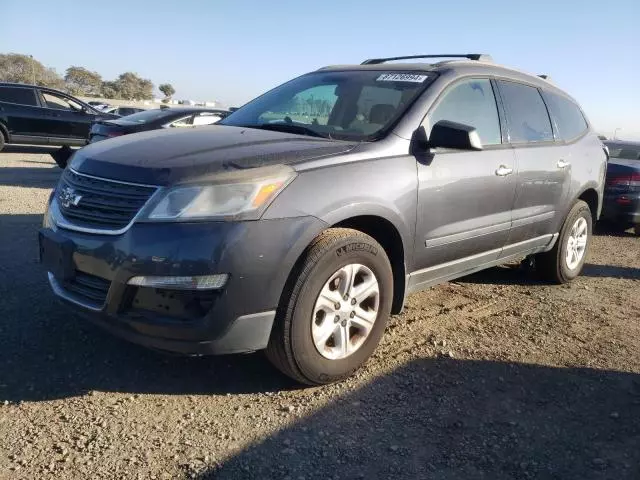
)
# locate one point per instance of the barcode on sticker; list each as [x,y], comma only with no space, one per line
[401,77]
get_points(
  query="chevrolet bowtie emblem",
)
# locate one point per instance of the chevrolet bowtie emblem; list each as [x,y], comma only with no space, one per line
[68,197]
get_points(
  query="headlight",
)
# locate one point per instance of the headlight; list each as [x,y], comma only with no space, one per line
[238,195]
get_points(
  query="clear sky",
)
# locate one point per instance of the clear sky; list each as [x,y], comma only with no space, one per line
[234,50]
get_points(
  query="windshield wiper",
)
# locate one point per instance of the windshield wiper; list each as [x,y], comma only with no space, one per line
[289,128]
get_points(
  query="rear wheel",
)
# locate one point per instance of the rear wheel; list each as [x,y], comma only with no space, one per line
[565,260]
[2,139]
[334,309]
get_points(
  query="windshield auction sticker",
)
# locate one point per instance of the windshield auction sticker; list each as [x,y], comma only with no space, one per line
[402,77]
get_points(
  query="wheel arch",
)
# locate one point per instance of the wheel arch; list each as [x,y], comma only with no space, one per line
[385,229]
[388,236]
[590,196]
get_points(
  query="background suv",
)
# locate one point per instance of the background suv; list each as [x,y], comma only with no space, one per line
[298,223]
[43,116]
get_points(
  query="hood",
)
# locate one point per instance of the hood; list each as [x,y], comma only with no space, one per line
[164,157]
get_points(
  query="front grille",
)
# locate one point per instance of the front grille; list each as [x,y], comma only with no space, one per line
[100,203]
[88,287]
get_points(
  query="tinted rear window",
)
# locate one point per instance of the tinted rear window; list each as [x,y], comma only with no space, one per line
[567,115]
[527,114]
[628,152]
[148,116]
[23,96]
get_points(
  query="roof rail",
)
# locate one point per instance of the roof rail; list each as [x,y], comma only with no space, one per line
[481,57]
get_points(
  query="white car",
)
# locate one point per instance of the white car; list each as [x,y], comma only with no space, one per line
[123,111]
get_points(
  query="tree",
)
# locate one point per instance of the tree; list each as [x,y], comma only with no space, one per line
[168,90]
[80,81]
[128,86]
[109,90]
[19,68]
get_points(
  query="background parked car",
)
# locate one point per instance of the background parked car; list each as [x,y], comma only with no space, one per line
[621,207]
[154,119]
[43,116]
[123,111]
[99,105]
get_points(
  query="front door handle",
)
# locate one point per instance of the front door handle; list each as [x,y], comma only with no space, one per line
[563,163]
[503,171]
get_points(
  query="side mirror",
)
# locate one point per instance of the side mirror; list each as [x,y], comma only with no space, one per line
[447,134]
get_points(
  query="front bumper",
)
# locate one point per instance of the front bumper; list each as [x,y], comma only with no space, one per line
[258,257]
[623,208]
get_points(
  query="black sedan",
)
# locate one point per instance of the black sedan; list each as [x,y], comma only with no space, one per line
[622,189]
[180,117]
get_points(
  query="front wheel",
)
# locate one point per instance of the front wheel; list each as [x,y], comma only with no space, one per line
[565,260]
[334,309]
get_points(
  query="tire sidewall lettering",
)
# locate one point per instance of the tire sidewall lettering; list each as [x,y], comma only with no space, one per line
[356,247]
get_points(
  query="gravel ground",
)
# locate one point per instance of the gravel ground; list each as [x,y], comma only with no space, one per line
[494,376]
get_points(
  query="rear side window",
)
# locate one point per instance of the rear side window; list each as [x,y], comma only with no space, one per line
[23,96]
[567,115]
[472,103]
[527,115]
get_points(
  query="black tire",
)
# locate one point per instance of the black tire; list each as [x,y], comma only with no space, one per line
[552,265]
[62,155]
[2,139]
[636,229]
[291,348]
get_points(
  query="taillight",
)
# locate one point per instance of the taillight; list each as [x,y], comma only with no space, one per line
[623,201]
[631,180]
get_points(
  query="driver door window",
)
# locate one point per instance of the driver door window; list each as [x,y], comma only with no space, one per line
[58,102]
[472,103]
[311,106]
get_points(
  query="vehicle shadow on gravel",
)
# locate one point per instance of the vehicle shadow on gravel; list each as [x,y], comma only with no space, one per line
[504,275]
[507,275]
[48,352]
[31,149]
[458,419]
[606,229]
[613,271]
[30,177]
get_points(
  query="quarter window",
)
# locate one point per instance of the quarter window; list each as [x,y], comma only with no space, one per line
[183,122]
[567,115]
[472,103]
[22,96]
[527,114]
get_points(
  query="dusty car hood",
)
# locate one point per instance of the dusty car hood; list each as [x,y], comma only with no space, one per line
[165,157]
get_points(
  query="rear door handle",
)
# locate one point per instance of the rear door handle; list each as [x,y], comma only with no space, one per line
[503,171]
[563,163]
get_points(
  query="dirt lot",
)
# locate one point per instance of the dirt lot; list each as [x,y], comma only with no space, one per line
[494,376]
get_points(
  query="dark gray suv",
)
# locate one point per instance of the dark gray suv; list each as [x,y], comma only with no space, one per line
[301,221]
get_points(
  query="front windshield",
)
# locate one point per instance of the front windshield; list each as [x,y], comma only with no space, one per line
[348,105]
